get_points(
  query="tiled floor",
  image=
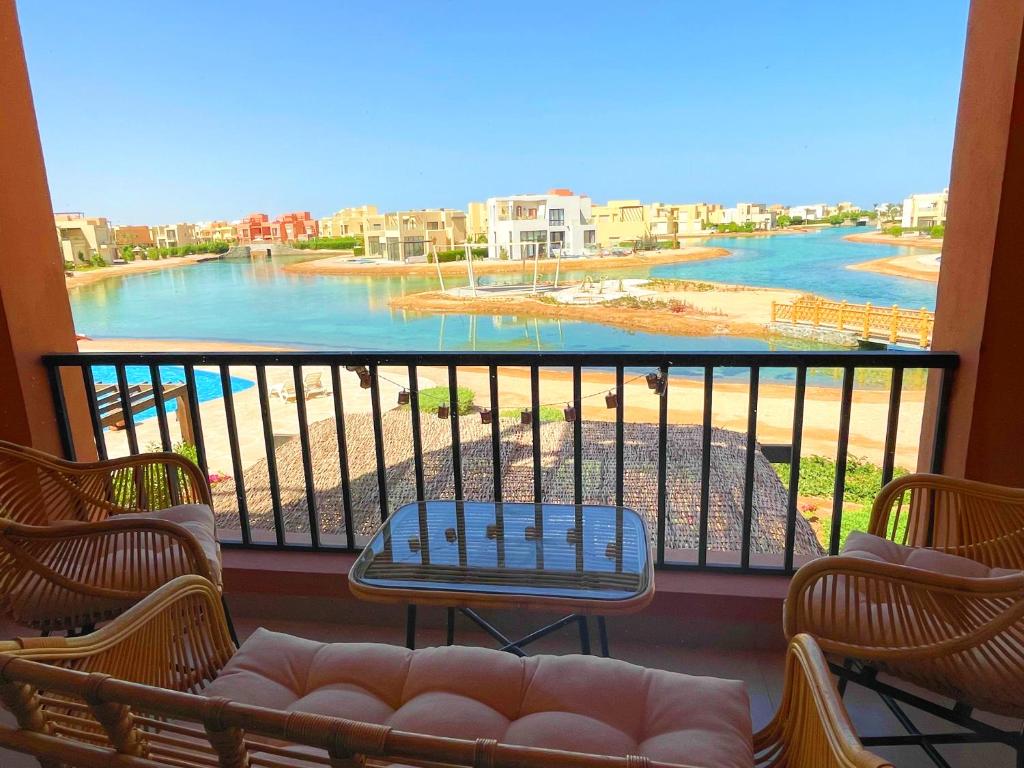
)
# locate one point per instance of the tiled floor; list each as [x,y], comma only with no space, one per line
[761,670]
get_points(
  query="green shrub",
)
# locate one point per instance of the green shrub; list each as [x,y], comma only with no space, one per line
[818,477]
[937,231]
[69,265]
[895,231]
[345,243]
[547,413]
[97,261]
[432,397]
[456,254]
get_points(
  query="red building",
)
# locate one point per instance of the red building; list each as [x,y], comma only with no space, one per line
[258,228]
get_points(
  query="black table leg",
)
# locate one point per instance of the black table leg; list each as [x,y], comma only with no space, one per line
[410,627]
[584,634]
[602,633]
[450,639]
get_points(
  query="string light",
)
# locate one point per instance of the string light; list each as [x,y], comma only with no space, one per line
[403,397]
[611,400]
[486,416]
[653,380]
[569,412]
[364,378]
[443,411]
[526,417]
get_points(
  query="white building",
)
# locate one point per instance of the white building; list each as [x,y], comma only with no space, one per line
[526,226]
[812,212]
[757,214]
[925,210]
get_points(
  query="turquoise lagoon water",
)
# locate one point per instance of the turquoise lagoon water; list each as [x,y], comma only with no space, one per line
[257,302]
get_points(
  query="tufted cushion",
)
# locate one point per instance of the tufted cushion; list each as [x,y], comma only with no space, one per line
[577,703]
[869,547]
[198,520]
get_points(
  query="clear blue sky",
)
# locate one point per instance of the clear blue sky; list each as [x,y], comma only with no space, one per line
[172,111]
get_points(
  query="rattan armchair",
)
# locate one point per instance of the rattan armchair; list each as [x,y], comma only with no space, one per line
[82,542]
[130,689]
[937,599]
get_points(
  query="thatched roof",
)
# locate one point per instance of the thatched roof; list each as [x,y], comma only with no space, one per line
[728,451]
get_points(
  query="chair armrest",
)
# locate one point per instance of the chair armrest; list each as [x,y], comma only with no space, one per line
[176,638]
[885,612]
[981,521]
[71,555]
[811,728]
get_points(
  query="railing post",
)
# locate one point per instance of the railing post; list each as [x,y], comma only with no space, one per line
[867,320]
[842,313]
[817,312]
[894,324]
[774,311]
[924,329]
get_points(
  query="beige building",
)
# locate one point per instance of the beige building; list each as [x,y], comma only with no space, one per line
[628,221]
[476,221]
[347,221]
[925,211]
[172,235]
[409,235]
[81,238]
[134,235]
[219,229]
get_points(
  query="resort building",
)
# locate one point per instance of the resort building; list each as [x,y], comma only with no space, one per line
[172,235]
[289,227]
[132,235]
[254,228]
[810,212]
[219,229]
[750,213]
[408,235]
[81,238]
[476,222]
[347,221]
[630,221]
[528,226]
[924,211]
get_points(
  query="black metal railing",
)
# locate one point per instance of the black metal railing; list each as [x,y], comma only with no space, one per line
[301,492]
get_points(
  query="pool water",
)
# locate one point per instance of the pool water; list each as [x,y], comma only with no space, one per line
[208,383]
[257,302]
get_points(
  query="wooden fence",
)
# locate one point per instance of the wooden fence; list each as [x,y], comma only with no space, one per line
[889,324]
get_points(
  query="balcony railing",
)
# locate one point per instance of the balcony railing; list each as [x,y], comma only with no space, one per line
[319,453]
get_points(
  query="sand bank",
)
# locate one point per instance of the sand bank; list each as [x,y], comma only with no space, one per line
[697,311]
[345,265]
[89,276]
[685,405]
[901,266]
[903,242]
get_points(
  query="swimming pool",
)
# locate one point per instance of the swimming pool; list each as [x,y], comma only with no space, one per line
[208,383]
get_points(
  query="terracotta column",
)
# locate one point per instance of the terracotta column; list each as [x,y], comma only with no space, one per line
[980,310]
[35,315]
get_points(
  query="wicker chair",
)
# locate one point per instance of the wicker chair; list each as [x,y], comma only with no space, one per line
[933,594]
[82,542]
[78,707]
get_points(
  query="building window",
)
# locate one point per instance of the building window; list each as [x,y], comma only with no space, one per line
[534,236]
[556,217]
[589,236]
[432,225]
[557,240]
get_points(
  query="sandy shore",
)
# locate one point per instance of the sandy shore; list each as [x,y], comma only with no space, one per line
[685,405]
[725,310]
[901,266]
[344,265]
[904,242]
[89,276]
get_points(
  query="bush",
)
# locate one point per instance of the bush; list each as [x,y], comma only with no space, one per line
[818,477]
[937,231]
[895,231]
[97,261]
[547,413]
[69,264]
[456,254]
[432,397]
[346,243]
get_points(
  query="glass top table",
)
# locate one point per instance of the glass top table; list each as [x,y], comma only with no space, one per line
[589,559]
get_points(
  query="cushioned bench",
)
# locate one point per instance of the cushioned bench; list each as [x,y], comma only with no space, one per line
[293,702]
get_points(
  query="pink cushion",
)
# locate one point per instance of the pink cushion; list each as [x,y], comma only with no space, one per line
[869,547]
[577,703]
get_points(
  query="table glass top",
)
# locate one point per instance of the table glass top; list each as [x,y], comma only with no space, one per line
[512,548]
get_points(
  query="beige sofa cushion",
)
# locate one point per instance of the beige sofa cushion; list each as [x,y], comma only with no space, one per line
[579,703]
[869,547]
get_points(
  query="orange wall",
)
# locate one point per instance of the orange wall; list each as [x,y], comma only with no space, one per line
[35,315]
[981,286]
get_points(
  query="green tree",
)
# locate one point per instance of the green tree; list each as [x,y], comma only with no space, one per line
[784,220]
